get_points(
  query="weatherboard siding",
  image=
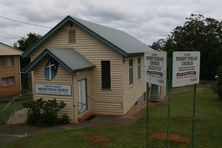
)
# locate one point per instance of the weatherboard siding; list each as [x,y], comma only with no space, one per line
[101,101]
[62,78]
[137,90]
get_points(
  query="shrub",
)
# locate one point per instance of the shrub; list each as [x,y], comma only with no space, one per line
[42,112]
[64,120]
[219,81]
[34,110]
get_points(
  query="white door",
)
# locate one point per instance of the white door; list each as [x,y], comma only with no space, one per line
[83,103]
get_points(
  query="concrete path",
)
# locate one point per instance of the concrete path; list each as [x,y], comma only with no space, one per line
[19,117]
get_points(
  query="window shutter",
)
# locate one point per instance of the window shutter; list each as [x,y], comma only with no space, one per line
[72,36]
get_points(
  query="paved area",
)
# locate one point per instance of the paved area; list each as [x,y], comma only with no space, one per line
[12,132]
[19,117]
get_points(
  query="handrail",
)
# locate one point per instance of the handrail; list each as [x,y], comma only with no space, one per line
[9,102]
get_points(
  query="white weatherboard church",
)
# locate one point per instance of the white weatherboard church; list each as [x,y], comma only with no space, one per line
[94,69]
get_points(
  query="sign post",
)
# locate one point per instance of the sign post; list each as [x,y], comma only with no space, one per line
[186,71]
[155,73]
[169,81]
[194,115]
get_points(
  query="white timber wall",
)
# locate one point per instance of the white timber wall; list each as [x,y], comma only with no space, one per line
[101,101]
[62,78]
[133,92]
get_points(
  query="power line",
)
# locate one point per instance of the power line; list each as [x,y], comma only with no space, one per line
[23,22]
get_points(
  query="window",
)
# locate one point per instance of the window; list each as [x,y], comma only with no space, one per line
[72,36]
[6,61]
[139,68]
[130,71]
[106,78]
[8,80]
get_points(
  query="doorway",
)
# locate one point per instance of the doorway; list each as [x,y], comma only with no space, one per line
[83,101]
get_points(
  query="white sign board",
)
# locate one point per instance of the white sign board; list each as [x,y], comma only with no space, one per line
[186,68]
[155,67]
[52,89]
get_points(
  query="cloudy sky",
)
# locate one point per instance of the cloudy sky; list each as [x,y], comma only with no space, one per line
[147,20]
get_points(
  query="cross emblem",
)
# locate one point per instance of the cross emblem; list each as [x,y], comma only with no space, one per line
[51,69]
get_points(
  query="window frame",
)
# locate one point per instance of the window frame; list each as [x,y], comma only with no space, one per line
[139,68]
[7,81]
[104,78]
[5,60]
[131,72]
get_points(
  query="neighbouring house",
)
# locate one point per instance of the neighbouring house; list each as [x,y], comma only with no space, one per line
[94,69]
[10,82]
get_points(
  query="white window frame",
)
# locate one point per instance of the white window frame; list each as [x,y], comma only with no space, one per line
[131,73]
[139,74]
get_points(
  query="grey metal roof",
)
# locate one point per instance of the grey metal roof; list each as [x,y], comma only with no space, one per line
[71,58]
[68,58]
[121,39]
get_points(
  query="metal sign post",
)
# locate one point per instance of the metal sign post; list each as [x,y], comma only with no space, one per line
[168,101]
[186,71]
[194,115]
[147,115]
[155,73]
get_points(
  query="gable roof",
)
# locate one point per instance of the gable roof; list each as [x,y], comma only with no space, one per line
[118,40]
[68,58]
[6,50]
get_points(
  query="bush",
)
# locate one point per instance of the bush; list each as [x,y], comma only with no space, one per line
[64,120]
[219,81]
[42,112]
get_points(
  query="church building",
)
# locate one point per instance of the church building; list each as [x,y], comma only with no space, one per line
[94,69]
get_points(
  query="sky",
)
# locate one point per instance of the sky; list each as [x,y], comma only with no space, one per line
[147,20]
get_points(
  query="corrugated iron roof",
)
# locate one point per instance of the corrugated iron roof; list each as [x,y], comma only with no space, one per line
[118,40]
[68,58]
[121,39]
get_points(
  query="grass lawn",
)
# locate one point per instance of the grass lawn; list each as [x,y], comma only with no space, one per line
[208,126]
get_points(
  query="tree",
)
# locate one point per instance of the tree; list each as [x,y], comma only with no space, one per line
[219,81]
[199,34]
[24,43]
[160,44]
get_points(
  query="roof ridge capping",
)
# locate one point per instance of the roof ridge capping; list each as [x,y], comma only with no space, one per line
[118,40]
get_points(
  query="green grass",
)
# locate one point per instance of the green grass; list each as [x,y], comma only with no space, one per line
[208,126]
[5,114]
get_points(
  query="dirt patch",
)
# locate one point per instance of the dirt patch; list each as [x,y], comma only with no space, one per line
[174,138]
[96,139]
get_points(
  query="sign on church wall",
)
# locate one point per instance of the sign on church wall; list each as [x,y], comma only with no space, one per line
[52,89]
